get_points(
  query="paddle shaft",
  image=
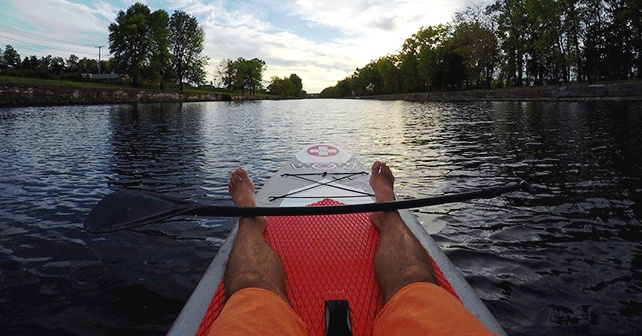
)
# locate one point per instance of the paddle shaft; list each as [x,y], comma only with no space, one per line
[128,209]
[230,211]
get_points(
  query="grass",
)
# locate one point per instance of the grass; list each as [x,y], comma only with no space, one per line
[57,82]
[4,79]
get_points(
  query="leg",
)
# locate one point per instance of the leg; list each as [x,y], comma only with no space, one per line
[400,260]
[252,261]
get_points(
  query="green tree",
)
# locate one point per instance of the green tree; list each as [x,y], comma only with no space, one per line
[475,41]
[159,69]
[512,20]
[186,38]
[106,66]
[366,81]
[248,74]
[72,63]
[408,58]
[43,64]
[298,85]
[10,56]
[87,65]
[25,65]
[429,40]
[341,90]
[226,72]
[283,87]
[138,43]
[57,65]
[388,68]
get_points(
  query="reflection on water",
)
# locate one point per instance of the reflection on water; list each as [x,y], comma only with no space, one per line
[564,261]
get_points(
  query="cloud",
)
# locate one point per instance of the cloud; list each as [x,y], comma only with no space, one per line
[58,27]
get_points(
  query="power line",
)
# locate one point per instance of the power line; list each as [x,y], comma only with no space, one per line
[39,38]
[26,42]
[23,45]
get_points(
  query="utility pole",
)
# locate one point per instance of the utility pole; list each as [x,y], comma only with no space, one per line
[99,47]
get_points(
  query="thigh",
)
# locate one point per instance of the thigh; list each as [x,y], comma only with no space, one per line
[255,311]
[426,309]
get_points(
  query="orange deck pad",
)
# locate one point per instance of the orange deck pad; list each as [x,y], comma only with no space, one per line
[326,257]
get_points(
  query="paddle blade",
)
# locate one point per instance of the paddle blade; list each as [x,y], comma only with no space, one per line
[129,209]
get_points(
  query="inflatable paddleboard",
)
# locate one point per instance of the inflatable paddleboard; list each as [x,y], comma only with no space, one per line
[328,259]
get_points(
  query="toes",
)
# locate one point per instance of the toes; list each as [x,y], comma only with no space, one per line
[242,174]
[376,167]
[385,171]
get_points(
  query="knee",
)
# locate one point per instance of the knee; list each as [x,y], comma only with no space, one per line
[236,282]
[418,273]
[249,279]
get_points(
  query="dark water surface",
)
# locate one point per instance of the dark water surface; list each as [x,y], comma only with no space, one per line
[565,261]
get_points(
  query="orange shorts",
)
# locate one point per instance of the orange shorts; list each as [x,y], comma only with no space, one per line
[417,309]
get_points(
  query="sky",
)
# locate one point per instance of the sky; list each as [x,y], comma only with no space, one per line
[322,41]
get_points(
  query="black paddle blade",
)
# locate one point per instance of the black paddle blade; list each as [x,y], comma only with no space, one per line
[129,209]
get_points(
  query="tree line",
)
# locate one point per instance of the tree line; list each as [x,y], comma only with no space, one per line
[511,43]
[49,67]
[247,76]
[235,75]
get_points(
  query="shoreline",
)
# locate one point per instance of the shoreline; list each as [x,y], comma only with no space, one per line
[24,95]
[628,91]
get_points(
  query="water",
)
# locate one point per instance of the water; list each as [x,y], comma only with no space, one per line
[564,261]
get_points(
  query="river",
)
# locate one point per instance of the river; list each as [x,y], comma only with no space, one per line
[566,260]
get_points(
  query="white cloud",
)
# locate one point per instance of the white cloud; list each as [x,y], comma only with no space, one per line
[59,28]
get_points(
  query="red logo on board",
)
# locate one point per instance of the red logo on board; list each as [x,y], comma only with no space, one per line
[323,150]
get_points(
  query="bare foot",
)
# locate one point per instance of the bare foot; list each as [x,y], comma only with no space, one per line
[382,182]
[241,188]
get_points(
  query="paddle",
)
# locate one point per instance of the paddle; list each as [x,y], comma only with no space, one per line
[128,209]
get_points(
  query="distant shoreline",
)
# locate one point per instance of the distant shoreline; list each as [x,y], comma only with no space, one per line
[624,91]
[26,94]
[36,94]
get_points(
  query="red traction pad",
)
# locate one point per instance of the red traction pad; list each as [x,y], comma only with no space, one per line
[326,257]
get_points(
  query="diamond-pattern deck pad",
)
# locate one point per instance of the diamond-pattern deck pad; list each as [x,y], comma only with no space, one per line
[326,257]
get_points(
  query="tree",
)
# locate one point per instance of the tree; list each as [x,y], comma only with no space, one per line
[186,42]
[158,52]
[388,69]
[366,81]
[138,43]
[87,65]
[283,87]
[226,72]
[43,64]
[298,85]
[633,13]
[512,21]
[475,41]
[57,65]
[72,63]
[11,56]
[428,41]
[248,74]
[342,89]
[479,50]
[26,64]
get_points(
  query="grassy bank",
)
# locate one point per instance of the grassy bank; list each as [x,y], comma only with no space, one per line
[57,82]
[21,91]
